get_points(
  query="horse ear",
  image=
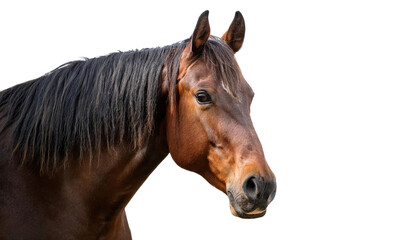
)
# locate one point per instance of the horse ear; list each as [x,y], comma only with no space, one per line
[201,33]
[234,37]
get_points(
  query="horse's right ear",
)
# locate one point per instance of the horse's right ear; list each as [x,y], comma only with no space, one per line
[201,33]
[234,37]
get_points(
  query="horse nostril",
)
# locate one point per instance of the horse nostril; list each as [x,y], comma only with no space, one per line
[251,188]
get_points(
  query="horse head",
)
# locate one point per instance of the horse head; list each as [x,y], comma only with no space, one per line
[209,128]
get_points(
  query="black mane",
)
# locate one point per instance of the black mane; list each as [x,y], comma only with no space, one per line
[85,106]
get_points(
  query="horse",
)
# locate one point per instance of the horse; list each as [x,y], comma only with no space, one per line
[77,143]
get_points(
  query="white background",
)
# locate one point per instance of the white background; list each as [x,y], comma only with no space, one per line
[337,108]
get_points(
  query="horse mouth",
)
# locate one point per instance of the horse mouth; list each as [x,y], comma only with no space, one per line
[239,212]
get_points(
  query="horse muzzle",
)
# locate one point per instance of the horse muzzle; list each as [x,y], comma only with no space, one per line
[252,199]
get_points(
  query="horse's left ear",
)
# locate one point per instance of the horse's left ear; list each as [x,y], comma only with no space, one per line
[201,33]
[234,37]
[196,44]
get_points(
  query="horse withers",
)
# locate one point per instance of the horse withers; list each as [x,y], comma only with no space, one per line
[78,142]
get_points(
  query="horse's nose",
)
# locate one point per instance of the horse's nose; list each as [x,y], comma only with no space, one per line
[259,191]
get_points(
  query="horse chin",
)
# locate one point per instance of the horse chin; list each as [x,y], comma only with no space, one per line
[254,214]
[238,212]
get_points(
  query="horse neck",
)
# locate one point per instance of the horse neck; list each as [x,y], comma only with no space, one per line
[121,173]
[91,192]
[98,193]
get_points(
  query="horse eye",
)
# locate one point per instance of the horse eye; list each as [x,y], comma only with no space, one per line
[203,97]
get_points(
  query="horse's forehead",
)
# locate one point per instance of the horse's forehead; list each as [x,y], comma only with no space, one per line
[199,70]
